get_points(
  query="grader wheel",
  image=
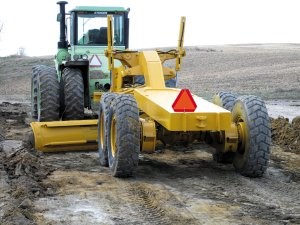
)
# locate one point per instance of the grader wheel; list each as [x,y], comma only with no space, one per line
[225,100]
[171,83]
[104,107]
[73,94]
[45,94]
[253,123]
[123,136]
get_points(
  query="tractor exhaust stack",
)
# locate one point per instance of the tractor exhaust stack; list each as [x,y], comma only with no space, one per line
[61,18]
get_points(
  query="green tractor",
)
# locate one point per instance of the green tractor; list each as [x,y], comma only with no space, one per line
[64,92]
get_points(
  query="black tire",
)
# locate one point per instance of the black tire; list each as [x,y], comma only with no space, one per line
[225,100]
[123,136]
[104,107]
[34,89]
[253,153]
[73,107]
[47,94]
[171,83]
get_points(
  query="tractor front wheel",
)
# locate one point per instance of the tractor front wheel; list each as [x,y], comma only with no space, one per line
[253,123]
[45,94]
[34,89]
[73,94]
[123,136]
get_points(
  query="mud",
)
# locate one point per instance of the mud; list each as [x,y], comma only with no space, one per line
[14,120]
[21,169]
[179,185]
[287,133]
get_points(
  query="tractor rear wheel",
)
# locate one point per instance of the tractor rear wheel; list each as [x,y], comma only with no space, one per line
[73,94]
[225,100]
[123,136]
[104,107]
[253,123]
[45,94]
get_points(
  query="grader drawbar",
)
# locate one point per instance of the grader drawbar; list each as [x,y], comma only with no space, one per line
[139,110]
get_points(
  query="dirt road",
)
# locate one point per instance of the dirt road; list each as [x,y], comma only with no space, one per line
[172,186]
[178,185]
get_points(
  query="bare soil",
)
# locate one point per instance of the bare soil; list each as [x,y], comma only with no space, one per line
[287,134]
[178,185]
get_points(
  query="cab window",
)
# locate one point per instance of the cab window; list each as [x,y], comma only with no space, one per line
[92,29]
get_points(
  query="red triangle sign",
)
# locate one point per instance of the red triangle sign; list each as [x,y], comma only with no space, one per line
[184,102]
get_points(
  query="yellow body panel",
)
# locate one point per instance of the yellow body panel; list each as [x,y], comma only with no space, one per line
[152,69]
[148,135]
[97,96]
[157,103]
[65,135]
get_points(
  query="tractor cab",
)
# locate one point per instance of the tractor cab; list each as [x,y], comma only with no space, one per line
[83,41]
[89,26]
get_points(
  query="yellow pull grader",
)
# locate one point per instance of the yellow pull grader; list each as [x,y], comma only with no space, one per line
[137,110]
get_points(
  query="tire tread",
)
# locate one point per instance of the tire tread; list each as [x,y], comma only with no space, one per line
[73,94]
[125,110]
[259,137]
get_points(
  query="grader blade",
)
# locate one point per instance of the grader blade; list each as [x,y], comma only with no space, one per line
[57,136]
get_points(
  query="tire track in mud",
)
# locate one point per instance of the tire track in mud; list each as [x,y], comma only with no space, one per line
[274,197]
[155,204]
[271,198]
[148,205]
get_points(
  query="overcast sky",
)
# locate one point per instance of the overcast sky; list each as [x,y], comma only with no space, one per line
[32,23]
